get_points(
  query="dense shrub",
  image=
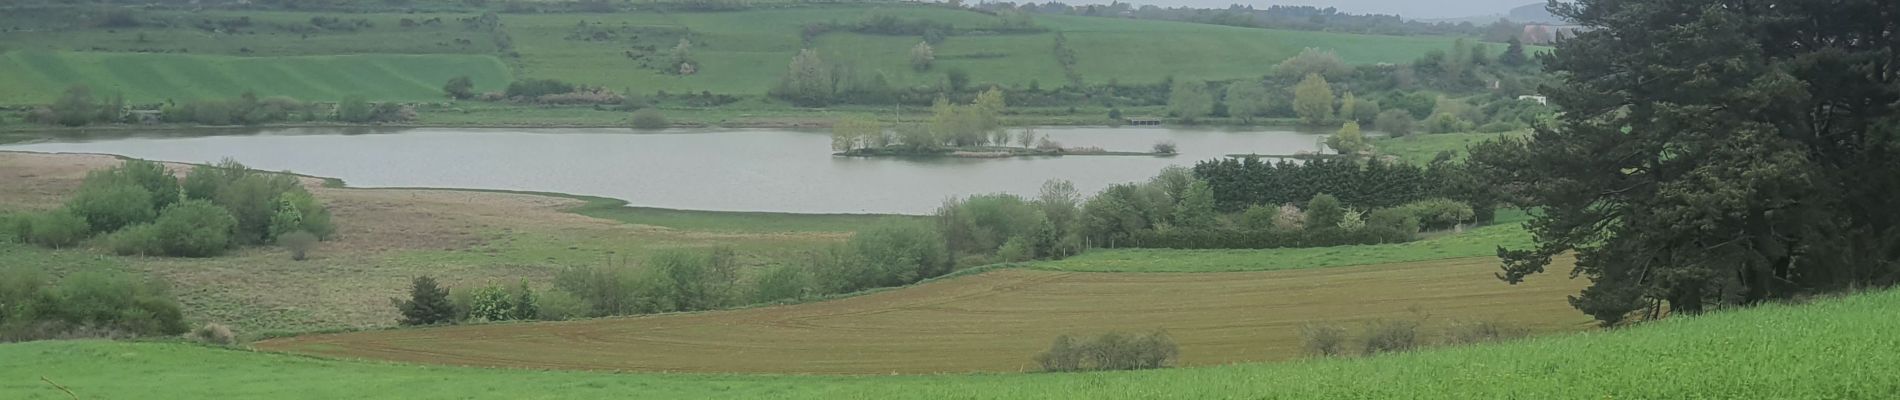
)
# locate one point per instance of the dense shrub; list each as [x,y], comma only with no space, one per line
[649,119]
[109,203]
[1396,219]
[428,303]
[136,240]
[780,283]
[257,200]
[84,304]
[981,224]
[1112,351]
[606,290]
[55,229]
[685,280]
[459,88]
[194,228]
[1440,214]
[899,252]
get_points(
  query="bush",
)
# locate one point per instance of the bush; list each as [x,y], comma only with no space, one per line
[1395,123]
[84,304]
[1324,340]
[1440,214]
[459,88]
[428,303]
[649,119]
[56,229]
[900,252]
[214,334]
[136,240]
[1389,336]
[559,306]
[1399,220]
[109,203]
[195,228]
[606,290]
[491,303]
[299,244]
[1324,211]
[1111,351]
[779,283]
[1165,147]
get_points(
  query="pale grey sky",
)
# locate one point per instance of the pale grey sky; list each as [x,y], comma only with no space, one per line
[1406,8]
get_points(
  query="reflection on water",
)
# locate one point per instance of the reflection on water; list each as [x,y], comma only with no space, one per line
[712,169]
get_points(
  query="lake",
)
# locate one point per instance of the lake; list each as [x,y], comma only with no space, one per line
[711,169]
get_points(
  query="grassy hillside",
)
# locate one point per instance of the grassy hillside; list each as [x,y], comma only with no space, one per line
[38,77]
[746,51]
[1832,349]
[740,52]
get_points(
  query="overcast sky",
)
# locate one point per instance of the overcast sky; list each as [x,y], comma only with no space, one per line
[1406,8]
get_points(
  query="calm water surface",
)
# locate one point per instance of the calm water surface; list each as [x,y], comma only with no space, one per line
[722,169]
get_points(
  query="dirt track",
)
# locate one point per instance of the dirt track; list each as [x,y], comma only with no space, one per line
[990,322]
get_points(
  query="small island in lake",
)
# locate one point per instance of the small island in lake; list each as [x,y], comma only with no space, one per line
[966,131]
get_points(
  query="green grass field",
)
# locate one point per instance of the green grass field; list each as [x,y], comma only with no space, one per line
[741,52]
[1838,348]
[38,77]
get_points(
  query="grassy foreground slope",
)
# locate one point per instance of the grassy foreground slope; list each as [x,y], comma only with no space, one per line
[1832,349]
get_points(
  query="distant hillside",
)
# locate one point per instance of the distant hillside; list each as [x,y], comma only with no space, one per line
[1534,13]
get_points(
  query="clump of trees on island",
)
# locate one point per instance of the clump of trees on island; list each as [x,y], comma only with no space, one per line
[972,130]
[141,208]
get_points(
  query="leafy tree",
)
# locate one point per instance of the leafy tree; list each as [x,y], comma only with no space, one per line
[194,228]
[1396,123]
[527,305]
[428,303]
[922,56]
[957,78]
[1196,209]
[851,133]
[1348,107]
[807,82]
[1514,55]
[355,109]
[1324,211]
[109,202]
[1349,140]
[783,282]
[75,107]
[459,88]
[1190,101]
[1246,100]
[1745,157]
[1313,100]
[901,252]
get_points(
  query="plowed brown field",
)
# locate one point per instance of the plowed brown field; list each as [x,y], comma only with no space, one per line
[991,322]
